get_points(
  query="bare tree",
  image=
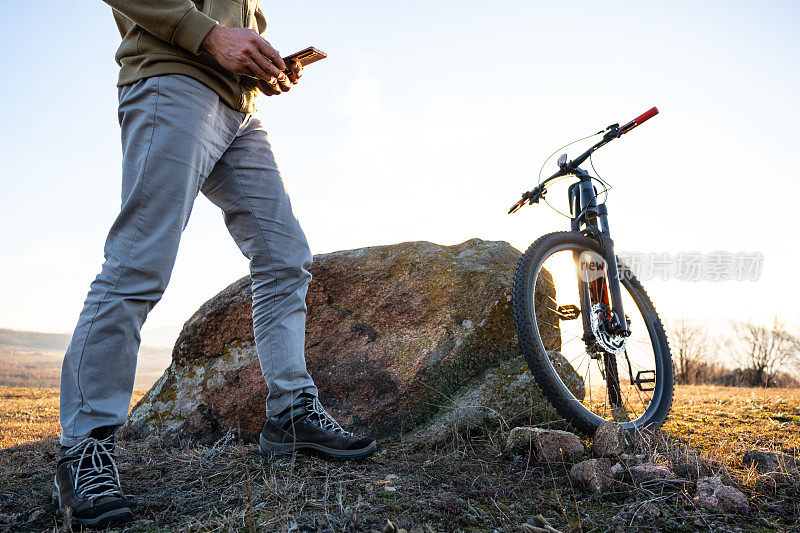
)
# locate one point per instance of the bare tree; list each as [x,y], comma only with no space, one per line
[690,347]
[766,351]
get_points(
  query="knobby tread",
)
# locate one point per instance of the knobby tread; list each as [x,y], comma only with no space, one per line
[578,415]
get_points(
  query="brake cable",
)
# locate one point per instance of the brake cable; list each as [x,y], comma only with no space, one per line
[538,192]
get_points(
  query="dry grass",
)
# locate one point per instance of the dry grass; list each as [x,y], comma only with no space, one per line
[724,422]
[27,415]
[30,415]
[468,485]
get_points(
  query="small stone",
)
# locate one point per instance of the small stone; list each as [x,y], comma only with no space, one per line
[650,472]
[716,496]
[593,474]
[610,440]
[547,445]
[618,471]
[770,462]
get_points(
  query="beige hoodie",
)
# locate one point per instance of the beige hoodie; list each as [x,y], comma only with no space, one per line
[164,37]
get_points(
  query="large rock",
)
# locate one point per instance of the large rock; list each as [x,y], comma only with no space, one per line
[392,331]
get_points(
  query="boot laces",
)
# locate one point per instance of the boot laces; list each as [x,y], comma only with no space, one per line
[95,470]
[320,417]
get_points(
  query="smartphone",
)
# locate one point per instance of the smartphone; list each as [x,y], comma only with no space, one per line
[306,57]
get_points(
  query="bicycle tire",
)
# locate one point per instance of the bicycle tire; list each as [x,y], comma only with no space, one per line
[541,366]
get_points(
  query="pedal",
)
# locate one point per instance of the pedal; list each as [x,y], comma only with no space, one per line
[568,312]
[645,380]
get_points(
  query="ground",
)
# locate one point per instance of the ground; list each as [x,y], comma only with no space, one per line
[469,484]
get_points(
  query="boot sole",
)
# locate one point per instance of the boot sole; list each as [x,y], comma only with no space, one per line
[113,517]
[276,450]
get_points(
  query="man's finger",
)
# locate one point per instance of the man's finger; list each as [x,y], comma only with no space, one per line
[285,85]
[266,66]
[268,89]
[272,90]
[295,70]
[297,67]
[274,84]
[255,70]
[271,53]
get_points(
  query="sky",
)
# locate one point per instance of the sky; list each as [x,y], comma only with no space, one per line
[426,122]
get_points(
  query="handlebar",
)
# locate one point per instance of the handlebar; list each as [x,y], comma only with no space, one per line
[611,133]
[638,121]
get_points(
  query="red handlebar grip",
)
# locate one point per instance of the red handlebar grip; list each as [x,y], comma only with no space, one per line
[647,115]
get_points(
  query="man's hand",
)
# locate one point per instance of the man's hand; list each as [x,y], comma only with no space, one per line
[276,86]
[243,51]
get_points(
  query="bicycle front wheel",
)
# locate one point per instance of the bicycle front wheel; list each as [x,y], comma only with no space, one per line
[588,373]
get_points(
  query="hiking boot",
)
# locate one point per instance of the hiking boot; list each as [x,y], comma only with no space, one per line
[87,482]
[306,427]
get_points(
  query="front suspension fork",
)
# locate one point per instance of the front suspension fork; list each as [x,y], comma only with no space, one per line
[614,288]
[594,218]
[594,215]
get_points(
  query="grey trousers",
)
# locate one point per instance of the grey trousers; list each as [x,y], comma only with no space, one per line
[178,139]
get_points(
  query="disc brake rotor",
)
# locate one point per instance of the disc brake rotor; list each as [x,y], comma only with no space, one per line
[613,344]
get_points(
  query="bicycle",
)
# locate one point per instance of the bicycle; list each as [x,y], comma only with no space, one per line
[571,293]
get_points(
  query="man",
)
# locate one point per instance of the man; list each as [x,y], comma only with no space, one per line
[190,71]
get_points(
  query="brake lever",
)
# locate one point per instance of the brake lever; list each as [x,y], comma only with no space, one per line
[612,132]
[531,197]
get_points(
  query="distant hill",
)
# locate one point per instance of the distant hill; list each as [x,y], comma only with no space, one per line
[34,339]
[33,359]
